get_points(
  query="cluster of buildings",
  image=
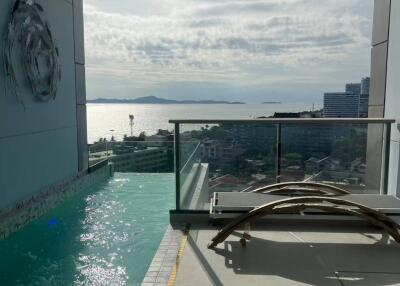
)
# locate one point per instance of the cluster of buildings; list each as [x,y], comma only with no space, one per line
[154,154]
[315,145]
[144,159]
[352,103]
[224,152]
[249,154]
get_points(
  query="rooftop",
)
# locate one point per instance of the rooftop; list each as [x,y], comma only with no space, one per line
[292,253]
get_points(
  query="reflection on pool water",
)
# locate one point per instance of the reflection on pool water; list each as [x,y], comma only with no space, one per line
[103,236]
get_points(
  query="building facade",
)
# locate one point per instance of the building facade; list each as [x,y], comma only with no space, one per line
[365,83]
[384,91]
[354,88]
[363,106]
[43,139]
[152,159]
[341,104]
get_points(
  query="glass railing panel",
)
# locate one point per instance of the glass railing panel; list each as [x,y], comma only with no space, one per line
[335,154]
[189,161]
[244,155]
[233,157]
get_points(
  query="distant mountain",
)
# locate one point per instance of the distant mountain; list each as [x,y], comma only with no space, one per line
[158,100]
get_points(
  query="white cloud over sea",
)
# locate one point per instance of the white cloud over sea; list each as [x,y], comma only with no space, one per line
[241,49]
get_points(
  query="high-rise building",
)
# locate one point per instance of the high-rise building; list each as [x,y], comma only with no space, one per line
[363,106]
[365,85]
[364,97]
[354,88]
[341,104]
[352,103]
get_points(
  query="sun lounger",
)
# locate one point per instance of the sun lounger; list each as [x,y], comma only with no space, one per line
[246,207]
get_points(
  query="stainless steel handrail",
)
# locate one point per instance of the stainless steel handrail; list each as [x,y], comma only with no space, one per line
[191,157]
[286,121]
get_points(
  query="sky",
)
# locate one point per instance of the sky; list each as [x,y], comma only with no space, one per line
[238,50]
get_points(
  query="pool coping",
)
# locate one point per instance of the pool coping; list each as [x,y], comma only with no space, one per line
[162,269]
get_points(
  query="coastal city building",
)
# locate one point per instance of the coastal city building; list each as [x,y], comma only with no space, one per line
[341,104]
[352,103]
[135,159]
[157,140]
[354,88]
[151,159]
[365,84]
[363,106]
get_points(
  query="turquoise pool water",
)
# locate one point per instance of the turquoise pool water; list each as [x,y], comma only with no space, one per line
[104,236]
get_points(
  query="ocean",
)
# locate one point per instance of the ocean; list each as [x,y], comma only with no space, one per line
[102,118]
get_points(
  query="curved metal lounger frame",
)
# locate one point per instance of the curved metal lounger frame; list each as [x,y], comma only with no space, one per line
[301,188]
[298,204]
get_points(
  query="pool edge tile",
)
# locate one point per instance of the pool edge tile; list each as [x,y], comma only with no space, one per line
[168,249]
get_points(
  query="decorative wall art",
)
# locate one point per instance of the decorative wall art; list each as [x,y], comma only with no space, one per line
[29,44]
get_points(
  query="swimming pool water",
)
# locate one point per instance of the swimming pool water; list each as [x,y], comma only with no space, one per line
[103,236]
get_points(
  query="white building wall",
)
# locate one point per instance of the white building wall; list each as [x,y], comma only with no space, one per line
[392,99]
[39,143]
[380,40]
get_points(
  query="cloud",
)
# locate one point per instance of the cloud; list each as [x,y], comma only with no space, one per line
[234,8]
[243,42]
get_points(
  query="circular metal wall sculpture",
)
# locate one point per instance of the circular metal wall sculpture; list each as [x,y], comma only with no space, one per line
[28,38]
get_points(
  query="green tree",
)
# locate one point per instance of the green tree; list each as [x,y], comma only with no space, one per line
[349,149]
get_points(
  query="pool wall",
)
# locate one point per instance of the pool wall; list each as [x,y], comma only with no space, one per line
[25,211]
[42,142]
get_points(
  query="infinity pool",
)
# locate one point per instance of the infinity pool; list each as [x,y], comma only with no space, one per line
[104,236]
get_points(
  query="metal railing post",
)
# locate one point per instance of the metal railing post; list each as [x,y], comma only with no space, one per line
[386,156]
[106,150]
[278,152]
[177,168]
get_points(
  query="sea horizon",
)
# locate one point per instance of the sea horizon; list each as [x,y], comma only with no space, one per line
[112,119]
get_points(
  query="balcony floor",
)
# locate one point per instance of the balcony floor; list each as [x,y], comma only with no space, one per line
[292,254]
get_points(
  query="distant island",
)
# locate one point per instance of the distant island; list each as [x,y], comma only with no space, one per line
[158,100]
[272,102]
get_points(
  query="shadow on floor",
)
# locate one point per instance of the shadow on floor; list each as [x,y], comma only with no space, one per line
[360,264]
